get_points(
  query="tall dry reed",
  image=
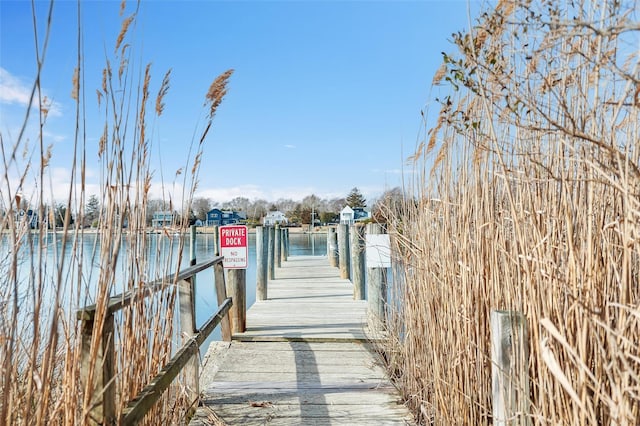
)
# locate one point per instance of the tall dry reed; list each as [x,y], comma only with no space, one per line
[48,273]
[527,198]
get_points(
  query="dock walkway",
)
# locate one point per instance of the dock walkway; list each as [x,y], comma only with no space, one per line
[305,359]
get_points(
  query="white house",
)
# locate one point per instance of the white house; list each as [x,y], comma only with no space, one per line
[161,219]
[346,216]
[350,215]
[273,218]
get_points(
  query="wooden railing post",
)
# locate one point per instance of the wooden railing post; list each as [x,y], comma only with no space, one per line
[100,395]
[186,290]
[509,367]
[237,289]
[262,265]
[343,251]
[271,257]
[377,282]
[357,262]
[278,246]
[221,295]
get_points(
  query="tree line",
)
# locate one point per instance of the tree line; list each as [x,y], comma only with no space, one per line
[310,209]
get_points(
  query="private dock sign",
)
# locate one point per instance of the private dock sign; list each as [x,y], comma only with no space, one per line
[233,246]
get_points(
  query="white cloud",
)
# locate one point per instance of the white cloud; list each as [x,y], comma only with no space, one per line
[225,194]
[48,136]
[13,91]
[254,192]
[289,146]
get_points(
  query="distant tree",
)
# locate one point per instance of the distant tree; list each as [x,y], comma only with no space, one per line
[257,209]
[91,211]
[239,204]
[60,215]
[335,205]
[305,215]
[356,199]
[273,208]
[201,207]
[295,215]
[388,206]
[286,205]
[328,217]
[311,201]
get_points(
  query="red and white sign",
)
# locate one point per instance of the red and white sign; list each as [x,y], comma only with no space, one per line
[233,246]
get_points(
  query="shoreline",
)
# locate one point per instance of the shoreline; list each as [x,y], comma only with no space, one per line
[172,231]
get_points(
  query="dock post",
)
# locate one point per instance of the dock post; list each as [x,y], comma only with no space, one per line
[332,247]
[377,282]
[271,249]
[100,398]
[221,295]
[357,261]
[262,266]
[216,242]
[186,295]
[283,244]
[278,246]
[343,251]
[509,367]
[288,243]
[192,245]
[237,289]
[186,290]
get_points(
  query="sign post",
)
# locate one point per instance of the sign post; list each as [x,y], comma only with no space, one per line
[234,248]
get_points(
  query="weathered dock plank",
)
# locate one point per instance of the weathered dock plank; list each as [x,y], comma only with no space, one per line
[304,359]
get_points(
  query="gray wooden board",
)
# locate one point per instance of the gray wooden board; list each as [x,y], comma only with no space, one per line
[304,359]
[307,301]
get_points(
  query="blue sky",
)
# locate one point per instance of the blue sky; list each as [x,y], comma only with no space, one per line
[326,96]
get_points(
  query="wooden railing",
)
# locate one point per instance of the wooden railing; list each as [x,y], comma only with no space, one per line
[101,366]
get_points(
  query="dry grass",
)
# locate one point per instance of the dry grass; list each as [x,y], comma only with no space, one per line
[47,274]
[533,205]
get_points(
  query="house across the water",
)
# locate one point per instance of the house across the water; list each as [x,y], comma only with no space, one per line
[217,217]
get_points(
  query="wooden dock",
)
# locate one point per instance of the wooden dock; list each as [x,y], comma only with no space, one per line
[305,358]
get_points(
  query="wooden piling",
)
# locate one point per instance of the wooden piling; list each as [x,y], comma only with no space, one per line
[332,247]
[221,295]
[283,244]
[192,245]
[216,241]
[286,245]
[509,368]
[237,289]
[343,251]
[278,246]
[100,396]
[186,295]
[270,251]
[358,272]
[377,282]
[186,289]
[262,265]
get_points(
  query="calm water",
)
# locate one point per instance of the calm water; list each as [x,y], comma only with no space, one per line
[160,247]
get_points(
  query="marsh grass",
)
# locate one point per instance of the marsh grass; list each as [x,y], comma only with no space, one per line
[526,197]
[48,273]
